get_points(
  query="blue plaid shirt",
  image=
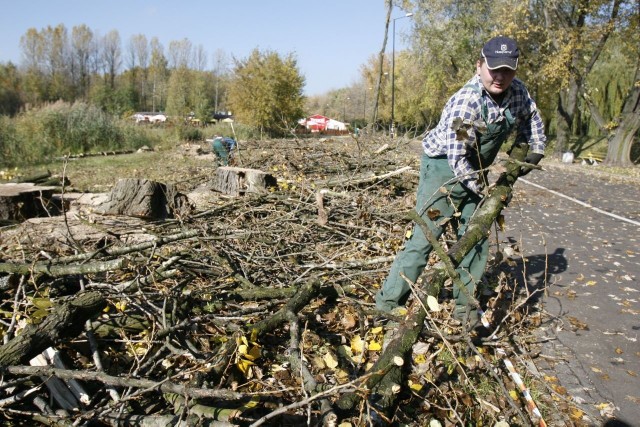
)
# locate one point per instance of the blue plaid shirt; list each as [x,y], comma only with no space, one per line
[466,104]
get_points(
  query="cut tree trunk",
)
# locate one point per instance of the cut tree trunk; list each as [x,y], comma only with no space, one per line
[142,198]
[19,202]
[235,181]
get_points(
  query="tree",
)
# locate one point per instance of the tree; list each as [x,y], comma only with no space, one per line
[619,152]
[577,31]
[10,94]
[111,56]
[158,74]
[266,92]
[84,58]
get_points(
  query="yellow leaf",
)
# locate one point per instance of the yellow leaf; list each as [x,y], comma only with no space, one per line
[415,386]
[244,366]
[374,345]
[408,234]
[357,344]
[591,283]
[254,353]
[576,414]
[513,394]
[550,379]
[42,303]
[330,361]
[242,349]
[377,330]
[419,359]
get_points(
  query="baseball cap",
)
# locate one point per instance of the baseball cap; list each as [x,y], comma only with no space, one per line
[501,52]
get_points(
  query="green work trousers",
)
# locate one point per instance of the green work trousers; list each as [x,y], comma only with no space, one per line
[434,174]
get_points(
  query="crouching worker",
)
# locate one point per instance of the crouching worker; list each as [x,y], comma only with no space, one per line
[223,148]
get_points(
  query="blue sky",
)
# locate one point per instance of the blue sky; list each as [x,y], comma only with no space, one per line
[330,38]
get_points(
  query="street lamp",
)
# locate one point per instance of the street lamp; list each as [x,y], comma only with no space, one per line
[393,73]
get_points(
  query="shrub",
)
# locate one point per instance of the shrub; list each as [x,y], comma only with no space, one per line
[61,128]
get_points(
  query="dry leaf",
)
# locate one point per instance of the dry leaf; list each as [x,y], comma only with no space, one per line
[330,361]
[348,321]
[432,302]
[433,213]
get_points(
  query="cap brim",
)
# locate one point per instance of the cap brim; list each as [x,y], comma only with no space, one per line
[495,63]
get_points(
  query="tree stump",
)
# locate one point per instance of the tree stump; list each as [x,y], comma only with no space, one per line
[238,181]
[23,201]
[142,198]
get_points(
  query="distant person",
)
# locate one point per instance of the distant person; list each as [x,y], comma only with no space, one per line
[223,147]
[474,124]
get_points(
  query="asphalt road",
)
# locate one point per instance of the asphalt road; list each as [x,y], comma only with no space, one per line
[579,231]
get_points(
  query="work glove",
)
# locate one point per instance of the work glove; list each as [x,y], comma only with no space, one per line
[532,158]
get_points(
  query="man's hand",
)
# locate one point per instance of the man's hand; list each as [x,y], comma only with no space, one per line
[532,158]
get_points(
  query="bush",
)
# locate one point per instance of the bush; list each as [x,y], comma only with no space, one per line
[189,133]
[61,128]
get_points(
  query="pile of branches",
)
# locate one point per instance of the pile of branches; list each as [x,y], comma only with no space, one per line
[259,310]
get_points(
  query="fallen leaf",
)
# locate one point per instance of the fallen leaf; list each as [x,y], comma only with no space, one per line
[433,214]
[432,302]
[348,321]
[330,361]
[632,373]
[374,345]
[619,350]
[576,414]
[357,344]
[577,323]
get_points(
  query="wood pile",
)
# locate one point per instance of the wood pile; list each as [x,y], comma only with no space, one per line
[252,310]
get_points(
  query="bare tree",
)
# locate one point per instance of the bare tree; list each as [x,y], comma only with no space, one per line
[180,53]
[111,55]
[83,57]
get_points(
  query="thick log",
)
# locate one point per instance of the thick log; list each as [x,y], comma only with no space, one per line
[235,181]
[23,201]
[66,321]
[142,198]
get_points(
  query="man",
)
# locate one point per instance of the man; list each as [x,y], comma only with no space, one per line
[223,147]
[474,123]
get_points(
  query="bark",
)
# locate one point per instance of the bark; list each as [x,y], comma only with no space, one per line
[142,198]
[66,321]
[164,386]
[619,151]
[19,202]
[389,4]
[63,270]
[240,181]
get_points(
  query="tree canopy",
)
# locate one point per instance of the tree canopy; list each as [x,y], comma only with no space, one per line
[266,91]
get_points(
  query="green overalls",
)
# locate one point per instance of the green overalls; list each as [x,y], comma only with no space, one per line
[434,174]
[222,153]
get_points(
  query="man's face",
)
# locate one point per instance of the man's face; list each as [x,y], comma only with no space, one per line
[495,81]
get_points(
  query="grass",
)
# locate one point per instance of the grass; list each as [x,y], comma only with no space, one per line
[99,173]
